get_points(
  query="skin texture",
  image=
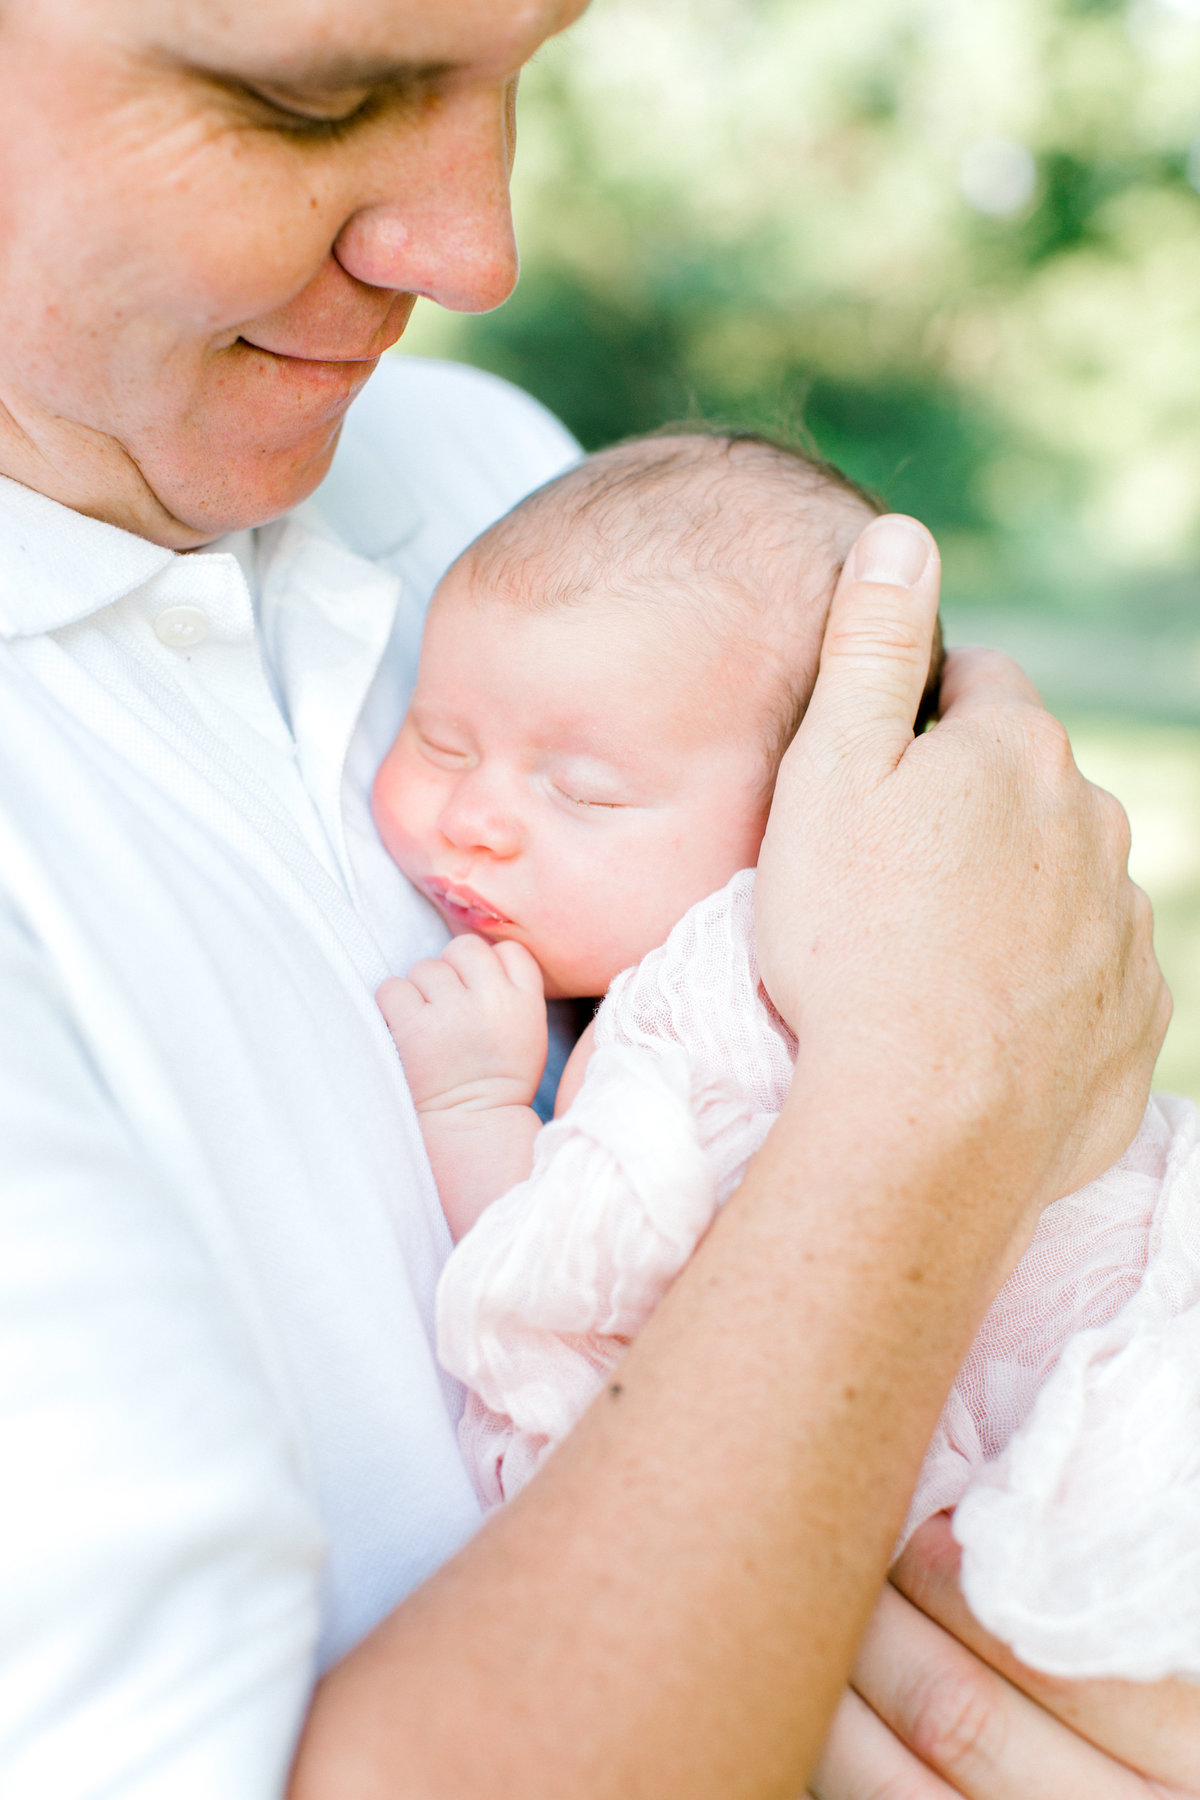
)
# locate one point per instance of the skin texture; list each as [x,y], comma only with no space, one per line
[192,285]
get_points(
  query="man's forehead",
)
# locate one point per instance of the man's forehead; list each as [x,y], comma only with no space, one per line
[343,43]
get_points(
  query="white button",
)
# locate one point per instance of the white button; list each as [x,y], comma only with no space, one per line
[181,627]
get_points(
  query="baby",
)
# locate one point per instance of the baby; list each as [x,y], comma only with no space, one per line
[608,680]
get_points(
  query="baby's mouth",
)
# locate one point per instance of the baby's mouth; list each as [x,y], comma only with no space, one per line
[463,906]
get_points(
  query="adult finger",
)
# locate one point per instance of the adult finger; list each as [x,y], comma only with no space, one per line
[1154,1726]
[927,1573]
[862,1760]
[876,649]
[971,1726]
[976,674]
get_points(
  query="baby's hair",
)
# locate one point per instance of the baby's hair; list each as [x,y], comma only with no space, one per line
[753,530]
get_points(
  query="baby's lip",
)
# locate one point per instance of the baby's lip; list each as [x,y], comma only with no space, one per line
[464,904]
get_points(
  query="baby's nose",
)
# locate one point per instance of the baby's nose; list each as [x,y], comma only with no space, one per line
[476,819]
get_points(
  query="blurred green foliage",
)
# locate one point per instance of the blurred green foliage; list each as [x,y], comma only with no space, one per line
[958,240]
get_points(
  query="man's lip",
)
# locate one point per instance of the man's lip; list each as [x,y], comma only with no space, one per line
[328,362]
[463,902]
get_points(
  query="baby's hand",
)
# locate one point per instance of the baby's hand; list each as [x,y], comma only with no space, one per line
[470,1026]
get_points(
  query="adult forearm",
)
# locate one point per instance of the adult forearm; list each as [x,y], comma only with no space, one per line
[672,1606]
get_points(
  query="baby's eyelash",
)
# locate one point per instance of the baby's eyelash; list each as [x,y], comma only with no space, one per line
[444,750]
[578,800]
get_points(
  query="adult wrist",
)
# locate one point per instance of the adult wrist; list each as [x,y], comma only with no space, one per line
[934,1176]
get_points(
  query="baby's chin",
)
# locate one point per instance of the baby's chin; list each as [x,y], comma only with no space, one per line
[584,981]
[566,987]
[568,974]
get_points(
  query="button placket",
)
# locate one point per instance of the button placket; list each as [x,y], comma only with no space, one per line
[205,620]
[327,615]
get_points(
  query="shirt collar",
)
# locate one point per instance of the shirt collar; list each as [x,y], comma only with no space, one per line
[58,566]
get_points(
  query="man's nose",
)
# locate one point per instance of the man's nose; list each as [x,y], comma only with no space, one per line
[476,817]
[439,222]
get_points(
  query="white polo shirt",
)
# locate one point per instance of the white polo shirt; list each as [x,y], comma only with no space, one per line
[226,1450]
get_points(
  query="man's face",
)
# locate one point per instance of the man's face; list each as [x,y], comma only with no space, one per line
[214,219]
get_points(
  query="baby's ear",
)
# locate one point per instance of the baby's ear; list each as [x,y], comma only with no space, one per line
[927,712]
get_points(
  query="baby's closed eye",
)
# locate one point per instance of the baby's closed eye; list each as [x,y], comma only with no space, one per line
[446,755]
[589,799]
[586,781]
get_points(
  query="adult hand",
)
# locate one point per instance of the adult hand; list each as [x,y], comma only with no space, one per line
[949,919]
[939,1708]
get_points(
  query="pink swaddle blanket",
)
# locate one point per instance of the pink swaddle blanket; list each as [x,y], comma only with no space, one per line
[1070,1444]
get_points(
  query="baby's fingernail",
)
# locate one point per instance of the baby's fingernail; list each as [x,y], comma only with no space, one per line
[893,550]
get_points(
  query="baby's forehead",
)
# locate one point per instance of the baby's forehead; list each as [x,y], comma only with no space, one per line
[714,558]
[748,531]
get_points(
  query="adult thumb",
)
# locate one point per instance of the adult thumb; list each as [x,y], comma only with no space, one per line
[877,646]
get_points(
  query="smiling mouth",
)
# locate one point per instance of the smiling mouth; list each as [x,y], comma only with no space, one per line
[319,362]
[463,906]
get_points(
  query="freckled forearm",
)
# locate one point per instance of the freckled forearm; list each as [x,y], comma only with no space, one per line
[476,1155]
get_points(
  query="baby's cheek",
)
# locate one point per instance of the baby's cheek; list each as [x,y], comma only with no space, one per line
[404,813]
[570,937]
[600,907]
[611,933]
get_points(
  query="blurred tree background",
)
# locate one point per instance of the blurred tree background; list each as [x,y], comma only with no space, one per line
[957,243]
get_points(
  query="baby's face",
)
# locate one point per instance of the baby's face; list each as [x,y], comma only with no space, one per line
[574,779]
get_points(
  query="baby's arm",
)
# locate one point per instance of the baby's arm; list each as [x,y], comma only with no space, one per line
[574,1071]
[470,1027]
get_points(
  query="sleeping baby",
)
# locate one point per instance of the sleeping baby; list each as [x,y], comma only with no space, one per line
[608,681]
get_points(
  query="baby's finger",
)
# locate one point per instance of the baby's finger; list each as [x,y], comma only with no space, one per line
[474,961]
[399,1001]
[876,651]
[521,967]
[435,978]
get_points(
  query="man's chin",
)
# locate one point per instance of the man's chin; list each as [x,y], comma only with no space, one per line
[250,486]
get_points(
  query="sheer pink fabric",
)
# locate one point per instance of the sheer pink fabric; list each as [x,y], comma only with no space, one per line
[1070,1444]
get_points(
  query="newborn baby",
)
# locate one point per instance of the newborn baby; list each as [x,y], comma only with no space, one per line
[608,680]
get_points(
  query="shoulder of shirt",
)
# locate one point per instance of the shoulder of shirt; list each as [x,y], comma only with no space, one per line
[436,451]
